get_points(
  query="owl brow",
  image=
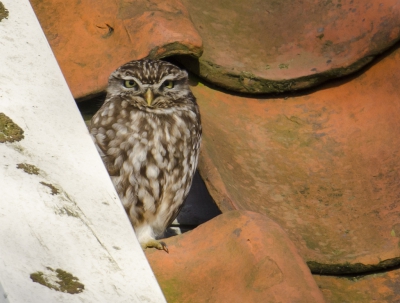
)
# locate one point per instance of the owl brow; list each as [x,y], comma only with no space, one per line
[132,78]
[170,77]
[163,79]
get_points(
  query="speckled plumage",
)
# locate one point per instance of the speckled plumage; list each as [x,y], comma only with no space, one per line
[148,136]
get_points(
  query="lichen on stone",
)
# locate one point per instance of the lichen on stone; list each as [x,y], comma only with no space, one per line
[54,190]
[28,168]
[68,283]
[9,131]
[69,212]
[3,12]
[59,280]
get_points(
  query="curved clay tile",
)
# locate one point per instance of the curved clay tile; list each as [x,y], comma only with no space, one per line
[238,256]
[376,287]
[90,39]
[275,46]
[324,165]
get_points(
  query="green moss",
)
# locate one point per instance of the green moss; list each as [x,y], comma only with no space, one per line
[39,278]
[344,290]
[68,283]
[172,290]
[3,12]
[28,168]
[64,282]
[54,190]
[292,132]
[9,131]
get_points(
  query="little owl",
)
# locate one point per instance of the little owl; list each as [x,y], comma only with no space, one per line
[148,134]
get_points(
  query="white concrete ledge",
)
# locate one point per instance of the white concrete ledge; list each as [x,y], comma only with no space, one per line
[60,217]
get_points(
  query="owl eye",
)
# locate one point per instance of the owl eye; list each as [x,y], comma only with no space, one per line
[130,83]
[168,84]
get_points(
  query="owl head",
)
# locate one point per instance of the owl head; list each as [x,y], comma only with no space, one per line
[150,84]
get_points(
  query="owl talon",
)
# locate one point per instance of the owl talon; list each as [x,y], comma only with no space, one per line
[160,245]
[164,246]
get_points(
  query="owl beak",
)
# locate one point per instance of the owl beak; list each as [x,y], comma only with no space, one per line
[149,96]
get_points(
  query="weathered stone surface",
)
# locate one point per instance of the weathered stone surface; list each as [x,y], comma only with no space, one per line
[379,287]
[90,39]
[324,165]
[235,257]
[275,46]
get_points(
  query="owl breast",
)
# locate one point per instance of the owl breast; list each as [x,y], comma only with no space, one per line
[150,156]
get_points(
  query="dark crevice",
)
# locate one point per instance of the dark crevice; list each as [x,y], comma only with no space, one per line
[353,270]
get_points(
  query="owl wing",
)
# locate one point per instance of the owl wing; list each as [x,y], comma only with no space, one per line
[101,141]
[109,163]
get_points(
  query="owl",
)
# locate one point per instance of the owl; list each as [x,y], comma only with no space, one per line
[148,133]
